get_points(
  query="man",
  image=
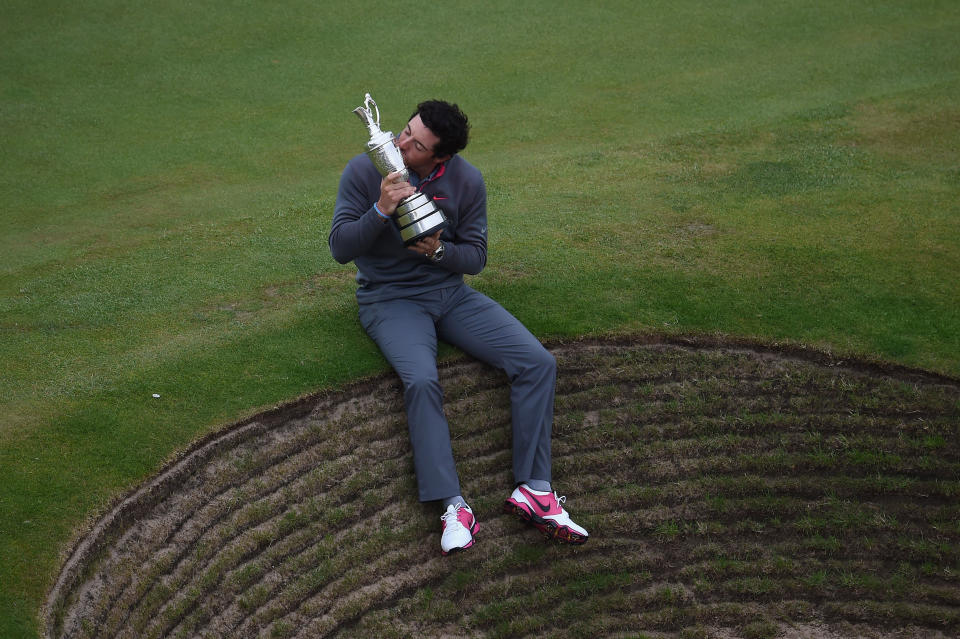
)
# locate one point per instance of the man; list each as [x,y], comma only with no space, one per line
[411,297]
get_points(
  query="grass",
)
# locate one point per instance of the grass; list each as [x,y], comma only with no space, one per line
[784,171]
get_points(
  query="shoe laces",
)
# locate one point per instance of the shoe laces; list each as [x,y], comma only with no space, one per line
[561,499]
[451,517]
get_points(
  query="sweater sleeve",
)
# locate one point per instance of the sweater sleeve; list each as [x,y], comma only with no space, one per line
[468,252]
[356,224]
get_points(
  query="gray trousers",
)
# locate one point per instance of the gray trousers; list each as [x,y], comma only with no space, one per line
[407,330]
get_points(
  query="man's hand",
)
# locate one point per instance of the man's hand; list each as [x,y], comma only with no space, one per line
[427,245]
[392,191]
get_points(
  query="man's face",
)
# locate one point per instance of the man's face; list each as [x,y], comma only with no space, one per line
[416,144]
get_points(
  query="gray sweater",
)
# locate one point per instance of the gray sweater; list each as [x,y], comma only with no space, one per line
[386,269]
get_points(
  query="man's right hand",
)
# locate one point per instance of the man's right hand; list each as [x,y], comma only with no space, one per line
[392,191]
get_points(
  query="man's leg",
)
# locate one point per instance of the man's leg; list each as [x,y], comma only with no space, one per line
[483,328]
[487,331]
[404,330]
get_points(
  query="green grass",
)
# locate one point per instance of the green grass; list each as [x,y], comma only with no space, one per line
[781,170]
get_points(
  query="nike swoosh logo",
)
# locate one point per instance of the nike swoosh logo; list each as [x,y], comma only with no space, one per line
[531,497]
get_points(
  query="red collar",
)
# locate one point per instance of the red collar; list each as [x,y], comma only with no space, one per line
[434,175]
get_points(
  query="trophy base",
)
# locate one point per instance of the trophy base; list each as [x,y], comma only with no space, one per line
[418,217]
[411,236]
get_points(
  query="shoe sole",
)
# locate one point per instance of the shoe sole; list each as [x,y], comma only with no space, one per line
[453,551]
[550,529]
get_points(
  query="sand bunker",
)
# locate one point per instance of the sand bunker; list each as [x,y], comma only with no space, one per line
[732,490]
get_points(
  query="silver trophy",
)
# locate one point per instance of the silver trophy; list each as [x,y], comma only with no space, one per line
[417,216]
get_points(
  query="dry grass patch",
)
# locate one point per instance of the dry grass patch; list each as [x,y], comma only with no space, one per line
[732,490]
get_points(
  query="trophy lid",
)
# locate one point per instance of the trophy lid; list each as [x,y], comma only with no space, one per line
[366,114]
[369,114]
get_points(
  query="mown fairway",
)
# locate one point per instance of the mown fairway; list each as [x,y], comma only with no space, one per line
[728,489]
[780,171]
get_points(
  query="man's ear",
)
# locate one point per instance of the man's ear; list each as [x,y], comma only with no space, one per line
[441,159]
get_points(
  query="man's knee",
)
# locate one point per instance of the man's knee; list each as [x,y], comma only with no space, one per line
[419,384]
[544,361]
[538,364]
[548,360]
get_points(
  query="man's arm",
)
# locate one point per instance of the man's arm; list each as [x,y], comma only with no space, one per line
[357,221]
[468,251]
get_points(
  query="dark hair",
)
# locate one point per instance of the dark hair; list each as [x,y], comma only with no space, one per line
[447,122]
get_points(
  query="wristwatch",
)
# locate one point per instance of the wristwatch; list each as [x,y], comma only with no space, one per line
[437,255]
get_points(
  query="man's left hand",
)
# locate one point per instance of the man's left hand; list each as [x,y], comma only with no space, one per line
[427,245]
